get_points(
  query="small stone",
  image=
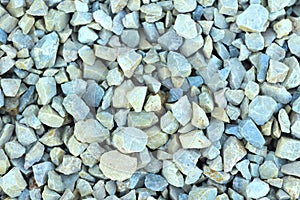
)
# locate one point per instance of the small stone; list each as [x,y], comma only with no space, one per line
[178,65]
[233,151]
[131,20]
[90,130]
[50,117]
[75,147]
[284,121]
[34,155]
[185,26]
[3,36]
[277,72]
[155,182]
[203,192]
[283,28]
[288,148]
[182,110]
[254,41]
[291,169]
[141,119]
[81,18]
[186,160]
[56,20]
[93,94]
[170,40]
[235,97]
[26,23]
[251,90]
[55,181]
[84,187]
[276,6]
[257,189]
[38,8]
[228,7]
[76,107]
[261,109]
[87,55]
[10,86]
[156,137]
[40,172]
[103,19]
[237,72]
[278,92]
[253,19]
[117,166]
[45,51]
[129,139]
[131,38]
[128,62]
[69,165]
[4,162]
[293,78]
[251,133]
[199,119]
[56,155]
[86,35]
[13,183]
[268,170]
[291,186]
[49,194]
[118,5]
[220,114]
[52,138]
[183,6]
[190,46]
[70,51]
[294,39]
[153,103]
[168,123]
[243,167]
[46,89]
[194,140]
[14,149]
[25,135]
[136,97]
[172,174]
[106,119]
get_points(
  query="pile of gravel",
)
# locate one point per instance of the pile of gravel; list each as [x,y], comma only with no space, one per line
[149,99]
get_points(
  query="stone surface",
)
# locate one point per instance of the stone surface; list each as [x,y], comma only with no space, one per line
[203,192]
[117,166]
[136,97]
[129,139]
[170,40]
[268,170]
[194,140]
[45,51]
[277,72]
[155,182]
[75,106]
[185,26]
[50,117]
[129,62]
[288,148]
[182,110]
[251,133]
[185,6]
[294,39]
[103,19]
[10,86]
[13,183]
[178,65]
[253,19]
[69,165]
[283,28]
[40,172]
[227,7]
[257,189]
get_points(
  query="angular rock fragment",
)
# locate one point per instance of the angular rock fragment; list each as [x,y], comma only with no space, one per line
[251,133]
[228,7]
[288,148]
[38,8]
[185,26]
[128,62]
[257,189]
[136,97]
[117,5]
[170,40]
[182,110]
[117,166]
[69,165]
[25,135]
[185,6]
[277,72]
[141,119]
[10,86]
[155,182]
[203,192]
[194,140]
[178,65]
[76,107]
[40,172]
[49,117]
[291,186]
[292,43]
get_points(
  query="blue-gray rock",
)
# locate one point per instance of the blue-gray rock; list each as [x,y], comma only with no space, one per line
[261,109]
[197,13]
[175,94]
[170,41]
[251,133]
[76,107]
[155,182]
[196,81]
[40,172]
[77,86]
[261,63]
[93,94]
[237,72]
[3,36]
[278,92]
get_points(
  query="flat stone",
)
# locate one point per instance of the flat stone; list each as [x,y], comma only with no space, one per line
[128,62]
[168,123]
[278,92]
[251,133]
[194,140]
[203,192]
[228,7]
[190,46]
[84,187]
[55,181]
[288,148]
[243,167]
[254,41]
[86,35]
[25,135]
[141,119]
[182,110]
[6,63]
[268,170]
[294,39]
[185,26]
[103,19]
[40,172]
[277,72]
[129,139]
[117,166]
[178,64]
[153,103]
[76,107]
[90,130]
[183,6]
[106,53]
[46,89]
[75,147]
[257,189]
[253,19]
[155,182]
[10,86]
[233,151]
[26,23]
[45,51]
[261,109]
[235,97]
[69,165]
[291,186]
[13,183]
[52,138]
[283,28]
[49,194]
[117,5]
[136,97]
[50,117]
[38,8]
[4,162]
[56,20]
[14,149]
[170,40]
[87,55]
[34,155]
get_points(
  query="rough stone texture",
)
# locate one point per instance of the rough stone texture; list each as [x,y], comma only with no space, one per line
[76,107]
[10,86]
[185,26]
[291,169]
[185,6]
[44,52]
[129,139]
[253,19]
[182,110]
[155,182]
[136,97]
[170,40]
[117,166]
[257,189]
[129,62]
[194,140]
[203,192]
[69,165]
[294,39]
[277,72]
[261,109]
[251,133]
[178,64]
[288,148]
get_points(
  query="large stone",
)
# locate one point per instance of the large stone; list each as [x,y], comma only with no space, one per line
[251,133]
[38,8]
[129,61]
[182,110]
[257,189]
[45,51]
[184,6]
[90,131]
[170,40]
[76,107]
[253,19]
[103,19]
[233,151]
[10,86]
[178,64]
[129,139]
[136,97]
[261,109]
[277,72]
[185,26]
[203,192]
[117,166]
[13,183]
[288,148]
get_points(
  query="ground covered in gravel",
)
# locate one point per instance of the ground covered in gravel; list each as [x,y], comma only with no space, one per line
[149,99]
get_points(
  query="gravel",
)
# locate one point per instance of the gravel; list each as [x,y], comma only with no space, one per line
[130,99]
